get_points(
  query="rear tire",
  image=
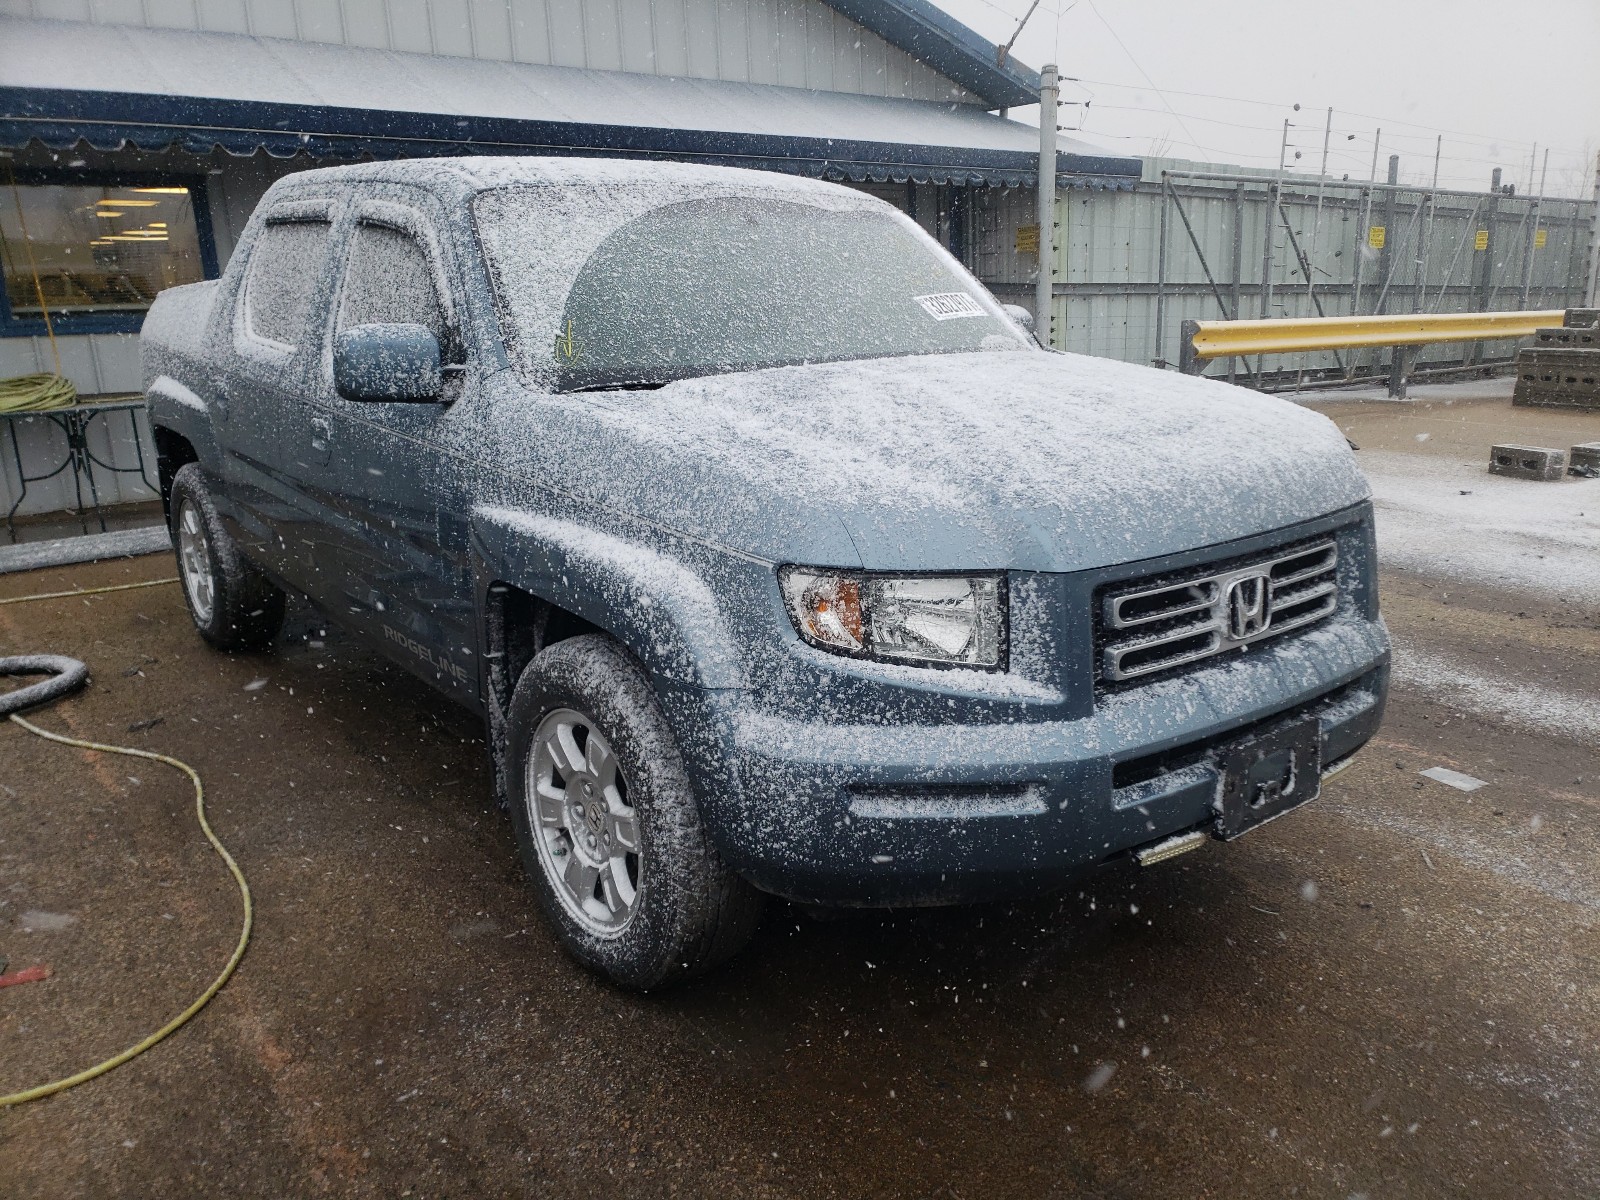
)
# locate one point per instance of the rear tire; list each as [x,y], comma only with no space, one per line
[234,606]
[607,824]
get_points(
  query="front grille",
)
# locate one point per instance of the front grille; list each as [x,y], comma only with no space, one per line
[1157,625]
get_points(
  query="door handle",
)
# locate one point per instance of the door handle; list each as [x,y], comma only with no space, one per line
[321,434]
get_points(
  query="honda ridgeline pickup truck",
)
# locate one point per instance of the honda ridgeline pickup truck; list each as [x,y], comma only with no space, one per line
[775,554]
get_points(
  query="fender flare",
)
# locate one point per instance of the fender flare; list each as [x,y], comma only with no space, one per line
[170,405]
[655,605]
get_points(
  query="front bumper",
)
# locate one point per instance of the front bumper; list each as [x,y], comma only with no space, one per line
[921,814]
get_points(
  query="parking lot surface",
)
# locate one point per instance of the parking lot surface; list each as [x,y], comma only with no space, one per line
[1393,992]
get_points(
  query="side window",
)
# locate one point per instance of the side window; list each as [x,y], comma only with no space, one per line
[389,280]
[284,270]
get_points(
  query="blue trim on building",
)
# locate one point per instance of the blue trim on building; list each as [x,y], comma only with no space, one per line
[113,120]
[65,324]
[945,44]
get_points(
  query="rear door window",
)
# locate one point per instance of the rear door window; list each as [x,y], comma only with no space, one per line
[285,268]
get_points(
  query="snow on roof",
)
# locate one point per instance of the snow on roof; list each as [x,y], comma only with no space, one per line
[197,75]
[483,172]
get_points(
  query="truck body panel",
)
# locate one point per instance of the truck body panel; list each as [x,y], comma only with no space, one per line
[663,514]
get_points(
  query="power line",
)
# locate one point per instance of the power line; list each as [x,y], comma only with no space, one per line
[1335,152]
[1387,121]
[1094,8]
[1011,17]
[1061,12]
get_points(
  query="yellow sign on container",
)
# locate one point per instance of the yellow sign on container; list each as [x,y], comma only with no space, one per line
[1375,236]
[1480,240]
[1027,239]
[1539,238]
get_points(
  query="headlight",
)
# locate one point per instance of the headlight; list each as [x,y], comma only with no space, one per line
[935,620]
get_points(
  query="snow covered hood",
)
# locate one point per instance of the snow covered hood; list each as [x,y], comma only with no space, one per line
[1027,461]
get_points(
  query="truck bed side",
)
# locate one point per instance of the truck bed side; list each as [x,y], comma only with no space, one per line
[178,365]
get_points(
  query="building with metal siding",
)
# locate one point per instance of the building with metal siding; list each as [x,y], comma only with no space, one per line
[798,43]
[1205,242]
[891,96]
[217,98]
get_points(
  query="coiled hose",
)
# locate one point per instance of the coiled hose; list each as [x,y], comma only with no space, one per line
[36,393]
[65,675]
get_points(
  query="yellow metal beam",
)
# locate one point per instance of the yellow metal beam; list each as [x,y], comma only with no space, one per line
[1221,339]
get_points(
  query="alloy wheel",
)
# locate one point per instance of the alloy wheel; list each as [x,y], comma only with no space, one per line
[585,828]
[194,562]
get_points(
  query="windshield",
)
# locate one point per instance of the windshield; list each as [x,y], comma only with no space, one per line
[706,285]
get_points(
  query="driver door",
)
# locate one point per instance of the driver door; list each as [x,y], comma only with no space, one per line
[385,563]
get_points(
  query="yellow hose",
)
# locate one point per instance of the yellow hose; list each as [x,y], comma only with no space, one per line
[61,1085]
[116,587]
[36,393]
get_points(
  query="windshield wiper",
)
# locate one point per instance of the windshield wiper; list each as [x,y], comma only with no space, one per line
[632,385]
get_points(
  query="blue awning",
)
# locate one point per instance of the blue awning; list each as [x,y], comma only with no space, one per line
[161,89]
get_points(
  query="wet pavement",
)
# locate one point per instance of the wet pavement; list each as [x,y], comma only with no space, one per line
[1394,992]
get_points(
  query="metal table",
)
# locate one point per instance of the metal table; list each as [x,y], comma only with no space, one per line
[75,423]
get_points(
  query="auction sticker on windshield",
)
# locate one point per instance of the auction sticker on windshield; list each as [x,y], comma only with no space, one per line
[950,306]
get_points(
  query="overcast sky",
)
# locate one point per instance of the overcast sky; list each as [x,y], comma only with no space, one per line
[1492,78]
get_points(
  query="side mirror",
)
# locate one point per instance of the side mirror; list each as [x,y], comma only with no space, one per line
[387,362]
[1020,315]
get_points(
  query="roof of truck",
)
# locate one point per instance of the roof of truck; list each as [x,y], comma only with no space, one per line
[484,172]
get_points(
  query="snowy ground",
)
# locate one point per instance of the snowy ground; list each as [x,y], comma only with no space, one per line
[1532,706]
[1452,527]
[1393,992]
[1452,519]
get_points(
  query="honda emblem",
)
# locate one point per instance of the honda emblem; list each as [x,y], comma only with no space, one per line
[1249,607]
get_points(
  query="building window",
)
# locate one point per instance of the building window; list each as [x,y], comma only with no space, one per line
[95,255]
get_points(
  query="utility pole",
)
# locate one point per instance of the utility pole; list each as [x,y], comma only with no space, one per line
[1485,280]
[1427,236]
[1316,230]
[1005,51]
[1398,357]
[1533,234]
[1283,146]
[1385,269]
[1376,138]
[1044,293]
[1591,293]
[1386,253]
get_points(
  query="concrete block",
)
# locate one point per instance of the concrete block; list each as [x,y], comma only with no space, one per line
[1527,462]
[1562,370]
[1577,318]
[1585,459]
[1532,397]
[1564,377]
[1583,337]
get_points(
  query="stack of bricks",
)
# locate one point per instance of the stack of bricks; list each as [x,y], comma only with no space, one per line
[1562,368]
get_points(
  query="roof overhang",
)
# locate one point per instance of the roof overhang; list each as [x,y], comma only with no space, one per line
[161,89]
[949,47]
[115,121]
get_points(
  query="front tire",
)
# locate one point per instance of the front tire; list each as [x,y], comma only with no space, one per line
[234,606]
[607,824]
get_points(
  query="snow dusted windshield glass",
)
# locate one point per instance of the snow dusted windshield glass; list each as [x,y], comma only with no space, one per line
[708,285]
